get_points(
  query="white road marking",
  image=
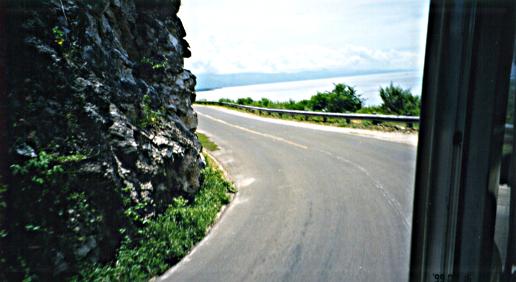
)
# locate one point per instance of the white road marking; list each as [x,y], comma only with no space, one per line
[391,200]
[276,138]
[245,182]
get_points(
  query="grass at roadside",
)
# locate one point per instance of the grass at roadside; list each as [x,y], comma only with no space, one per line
[206,142]
[339,122]
[169,237]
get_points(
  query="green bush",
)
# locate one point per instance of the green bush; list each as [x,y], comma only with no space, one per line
[264,102]
[343,98]
[149,116]
[56,222]
[397,100]
[293,105]
[245,101]
[371,110]
[154,64]
[226,100]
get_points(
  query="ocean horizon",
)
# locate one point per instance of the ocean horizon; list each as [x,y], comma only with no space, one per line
[367,86]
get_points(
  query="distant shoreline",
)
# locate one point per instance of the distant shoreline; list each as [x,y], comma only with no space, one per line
[207,89]
[218,81]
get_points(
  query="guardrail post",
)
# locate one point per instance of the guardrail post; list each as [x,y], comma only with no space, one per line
[348,121]
[325,119]
[410,125]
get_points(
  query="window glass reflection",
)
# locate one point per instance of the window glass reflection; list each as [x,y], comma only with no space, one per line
[504,264]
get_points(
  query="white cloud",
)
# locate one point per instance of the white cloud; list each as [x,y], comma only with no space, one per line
[302,58]
[232,36]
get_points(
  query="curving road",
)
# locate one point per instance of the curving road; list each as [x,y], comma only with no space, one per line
[313,205]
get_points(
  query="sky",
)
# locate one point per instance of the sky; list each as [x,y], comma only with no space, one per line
[288,36]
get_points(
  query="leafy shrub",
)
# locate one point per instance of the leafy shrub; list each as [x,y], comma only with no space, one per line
[226,100]
[56,222]
[44,167]
[342,98]
[150,116]
[154,64]
[245,101]
[371,110]
[397,100]
[293,105]
[59,35]
[264,102]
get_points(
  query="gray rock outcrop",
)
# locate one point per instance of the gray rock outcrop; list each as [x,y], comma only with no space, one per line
[100,123]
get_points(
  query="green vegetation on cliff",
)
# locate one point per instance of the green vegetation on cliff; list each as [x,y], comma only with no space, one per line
[163,241]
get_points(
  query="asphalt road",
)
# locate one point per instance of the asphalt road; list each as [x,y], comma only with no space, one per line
[312,206]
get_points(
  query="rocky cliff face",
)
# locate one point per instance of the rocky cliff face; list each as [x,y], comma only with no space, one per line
[101,127]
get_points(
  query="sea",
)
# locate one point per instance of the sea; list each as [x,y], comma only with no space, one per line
[367,87]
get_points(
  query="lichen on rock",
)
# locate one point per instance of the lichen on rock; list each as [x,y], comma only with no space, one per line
[103,79]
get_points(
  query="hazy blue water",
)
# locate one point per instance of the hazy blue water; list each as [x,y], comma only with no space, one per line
[366,85]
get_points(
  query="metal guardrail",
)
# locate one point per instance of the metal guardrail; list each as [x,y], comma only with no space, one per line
[348,116]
